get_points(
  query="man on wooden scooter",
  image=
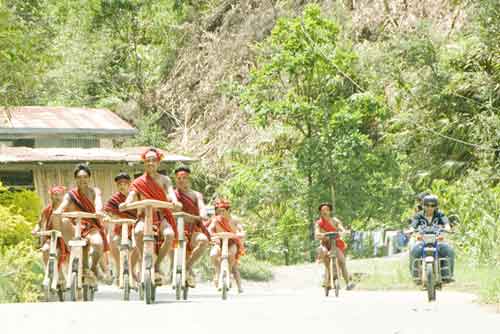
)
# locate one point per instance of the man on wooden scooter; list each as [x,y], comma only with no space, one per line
[153,185]
[197,234]
[223,221]
[328,223]
[87,199]
[46,223]
[122,181]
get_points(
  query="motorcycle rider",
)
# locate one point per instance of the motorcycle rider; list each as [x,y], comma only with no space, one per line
[429,216]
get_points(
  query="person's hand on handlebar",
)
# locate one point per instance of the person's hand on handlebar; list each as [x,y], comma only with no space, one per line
[177,206]
[35,230]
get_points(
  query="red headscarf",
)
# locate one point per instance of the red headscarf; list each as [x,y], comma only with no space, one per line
[159,154]
[222,204]
[57,189]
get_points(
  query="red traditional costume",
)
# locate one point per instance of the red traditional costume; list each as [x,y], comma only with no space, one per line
[328,226]
[47,215]
[86,205]
[112,207]
[190,206]
[147,187]
[225,224]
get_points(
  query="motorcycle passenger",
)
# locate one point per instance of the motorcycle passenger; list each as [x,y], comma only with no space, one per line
[430,216]
[419,201]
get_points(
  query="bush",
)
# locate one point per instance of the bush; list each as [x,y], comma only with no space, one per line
[14,228]
[478,278]
[24,202]
[475,201]
[254,270]
[21,273]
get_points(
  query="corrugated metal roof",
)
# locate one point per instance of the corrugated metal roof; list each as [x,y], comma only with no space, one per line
[36,155]
[47,120]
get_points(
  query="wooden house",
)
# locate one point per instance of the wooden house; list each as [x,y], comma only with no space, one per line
[40,146]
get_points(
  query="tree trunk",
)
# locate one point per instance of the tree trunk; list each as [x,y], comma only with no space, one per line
[312,252]
[332,192]
[287,253]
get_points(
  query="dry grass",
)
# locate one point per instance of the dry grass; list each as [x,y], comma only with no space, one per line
[203,119]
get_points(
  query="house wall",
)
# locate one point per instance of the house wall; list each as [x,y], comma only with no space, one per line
[102,177]
[49,175]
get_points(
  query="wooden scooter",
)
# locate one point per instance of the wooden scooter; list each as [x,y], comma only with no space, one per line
[333,266]
[51,285]
[125,280]
[179,274]
[224,281]
[147,286]
[76,283]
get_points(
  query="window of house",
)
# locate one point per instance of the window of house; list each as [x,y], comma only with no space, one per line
[71,142]
[17,179]
[28,142]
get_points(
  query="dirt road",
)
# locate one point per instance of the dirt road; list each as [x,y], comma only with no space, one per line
[285,306]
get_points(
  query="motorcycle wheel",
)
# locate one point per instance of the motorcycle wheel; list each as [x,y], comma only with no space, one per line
[431,286]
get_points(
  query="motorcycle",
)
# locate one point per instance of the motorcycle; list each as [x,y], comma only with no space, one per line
[433,271]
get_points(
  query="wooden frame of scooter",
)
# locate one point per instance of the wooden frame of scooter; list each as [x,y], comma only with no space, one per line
[51,280]
[126,247]
[180,254]
[148,253]
[332,236]
[76,245]
[225,271]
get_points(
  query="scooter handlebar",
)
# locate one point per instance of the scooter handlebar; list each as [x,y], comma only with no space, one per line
[147,203]
[186,215]
[49,233]
[224,235]
[122,221]
[79,214]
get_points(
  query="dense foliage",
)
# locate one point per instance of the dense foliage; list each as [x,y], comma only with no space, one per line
[370,124]
[20,263]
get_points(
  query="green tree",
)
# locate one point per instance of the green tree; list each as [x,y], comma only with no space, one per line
[23,55]
[306,80]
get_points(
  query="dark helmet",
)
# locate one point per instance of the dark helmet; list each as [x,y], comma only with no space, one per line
[431,199]
[420,196]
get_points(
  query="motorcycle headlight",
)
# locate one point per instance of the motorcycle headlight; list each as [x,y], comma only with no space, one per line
[429,238]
